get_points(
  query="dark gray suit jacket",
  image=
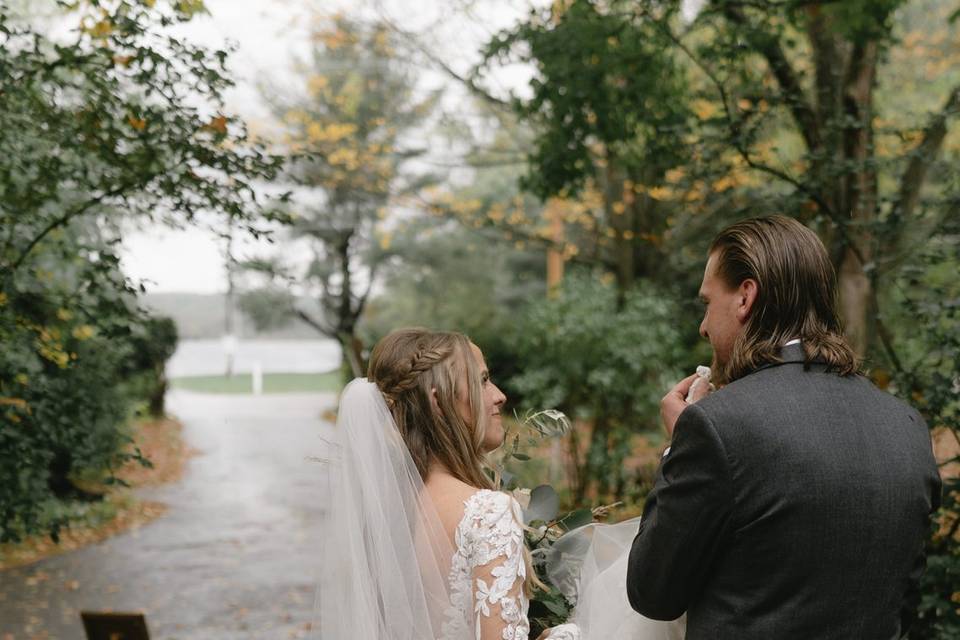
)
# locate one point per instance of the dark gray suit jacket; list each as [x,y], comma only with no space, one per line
[794,504]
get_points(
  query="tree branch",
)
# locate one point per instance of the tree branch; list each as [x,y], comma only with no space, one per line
[769,47]
[922,157]
[319,326]
[66,217]
[735,131]
[468,82]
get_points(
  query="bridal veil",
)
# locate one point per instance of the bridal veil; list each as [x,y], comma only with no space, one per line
[385,556]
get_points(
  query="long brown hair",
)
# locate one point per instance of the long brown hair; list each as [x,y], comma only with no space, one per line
[796,295]
[409,366]
[413,366]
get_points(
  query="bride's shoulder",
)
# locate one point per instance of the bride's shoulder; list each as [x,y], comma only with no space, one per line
[463,506]
[450,497]
[486,509]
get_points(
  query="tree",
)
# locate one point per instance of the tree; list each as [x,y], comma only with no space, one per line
[602,120]
[348,139]
[116,121]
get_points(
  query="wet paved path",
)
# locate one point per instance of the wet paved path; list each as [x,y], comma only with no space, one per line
[234,558]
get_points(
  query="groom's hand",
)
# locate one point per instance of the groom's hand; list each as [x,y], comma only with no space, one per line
[673,404]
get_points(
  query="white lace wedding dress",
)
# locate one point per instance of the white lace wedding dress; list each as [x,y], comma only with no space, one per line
[487,573]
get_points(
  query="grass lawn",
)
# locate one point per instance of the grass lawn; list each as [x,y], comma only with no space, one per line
[272,383]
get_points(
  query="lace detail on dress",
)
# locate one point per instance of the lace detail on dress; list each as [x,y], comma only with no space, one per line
[487,572]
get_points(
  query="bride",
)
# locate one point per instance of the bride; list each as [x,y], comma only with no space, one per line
[419,544]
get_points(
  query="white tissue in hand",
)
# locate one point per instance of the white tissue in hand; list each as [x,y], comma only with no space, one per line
[703,378]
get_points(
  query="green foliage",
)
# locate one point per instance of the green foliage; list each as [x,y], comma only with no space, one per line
[605,365]
[103,125]
[269,307]
[115,121]
[153,342]
[594,86]
[927,374]
[67,385]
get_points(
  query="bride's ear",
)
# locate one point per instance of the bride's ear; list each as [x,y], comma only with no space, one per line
[434,403]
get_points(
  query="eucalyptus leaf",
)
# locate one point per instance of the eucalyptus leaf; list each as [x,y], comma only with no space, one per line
[577,519]
[556,607]
[544,505]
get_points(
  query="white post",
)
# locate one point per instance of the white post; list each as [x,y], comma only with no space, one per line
[257,379]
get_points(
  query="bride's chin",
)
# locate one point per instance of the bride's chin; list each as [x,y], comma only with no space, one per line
[493,439]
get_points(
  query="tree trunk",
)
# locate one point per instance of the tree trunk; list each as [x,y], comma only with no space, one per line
[158,392]
[845,79]
[620,219]
[855,291]
[353,354]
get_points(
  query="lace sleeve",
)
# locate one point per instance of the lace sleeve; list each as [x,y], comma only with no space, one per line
[497,568]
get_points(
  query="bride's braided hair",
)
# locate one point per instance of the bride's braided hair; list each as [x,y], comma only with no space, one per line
[418,372]
[411,367]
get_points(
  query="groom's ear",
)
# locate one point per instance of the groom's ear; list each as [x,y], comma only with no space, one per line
[747,292]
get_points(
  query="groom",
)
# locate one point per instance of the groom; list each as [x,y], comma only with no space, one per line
[793,502]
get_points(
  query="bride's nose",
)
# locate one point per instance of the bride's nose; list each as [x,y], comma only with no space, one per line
[500,398]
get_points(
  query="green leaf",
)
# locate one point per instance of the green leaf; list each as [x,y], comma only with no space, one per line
[577,519]
[544,504]
[557,608]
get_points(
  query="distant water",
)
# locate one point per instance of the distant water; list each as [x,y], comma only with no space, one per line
[209,357]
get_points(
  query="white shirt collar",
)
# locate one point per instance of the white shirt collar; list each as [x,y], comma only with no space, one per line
[794,341]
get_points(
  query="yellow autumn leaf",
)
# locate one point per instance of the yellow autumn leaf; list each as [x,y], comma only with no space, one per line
[315,132]
[317,83]
[517,218]
[218,125]
[22,379]
[84,332]
[137,123]
[704,109]
[344,157]
[660,193]
[724,183]
[674,176]
[618,208]
[19,403]
[190,7]
[101,29]
[3,298]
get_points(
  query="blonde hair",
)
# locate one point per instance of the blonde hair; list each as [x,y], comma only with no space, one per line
[796,295]
[413,366]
